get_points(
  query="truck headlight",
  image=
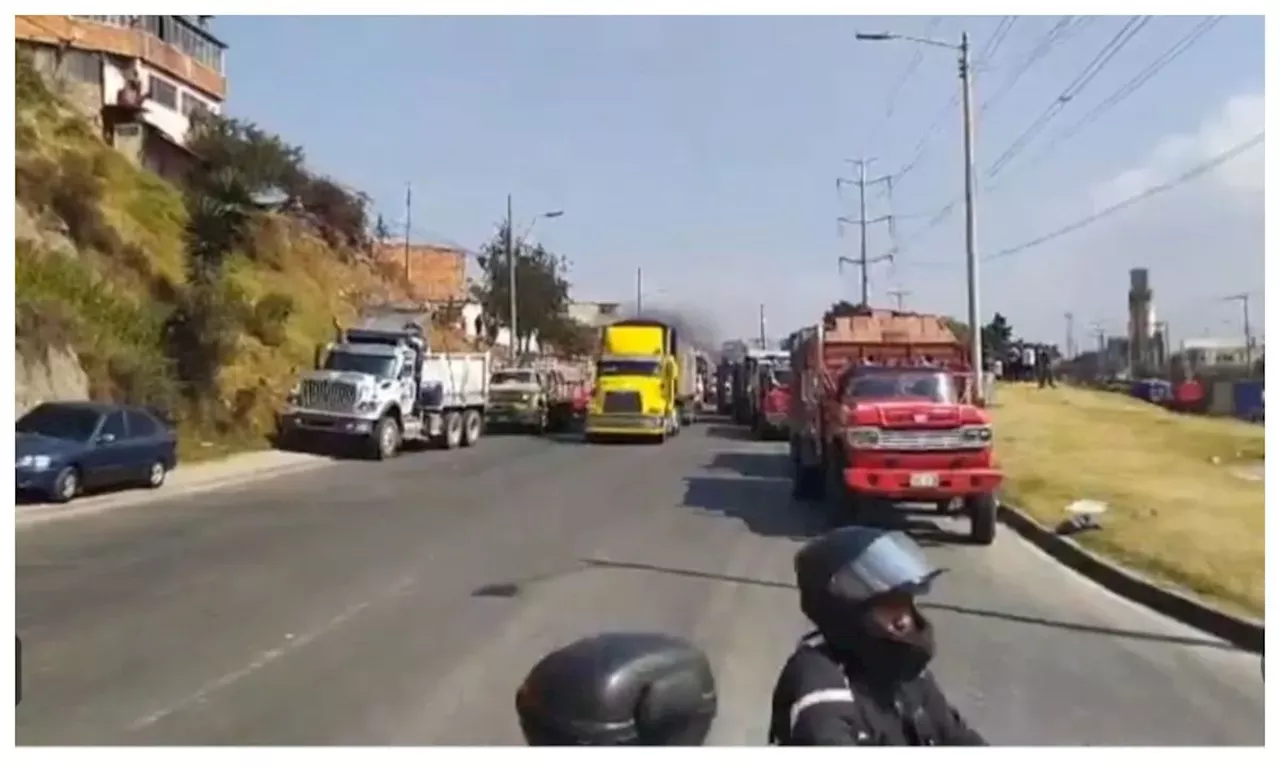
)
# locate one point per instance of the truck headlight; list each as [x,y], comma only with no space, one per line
[38,462]
[862,437]
[976,435]
[367,406]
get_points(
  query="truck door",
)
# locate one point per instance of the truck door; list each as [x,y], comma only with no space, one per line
[408,379]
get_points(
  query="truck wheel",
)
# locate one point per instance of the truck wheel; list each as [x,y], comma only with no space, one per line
[472,426]
[982,509]
[386,438]
[452,430]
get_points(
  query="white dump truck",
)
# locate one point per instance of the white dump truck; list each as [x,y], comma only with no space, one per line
[382,385]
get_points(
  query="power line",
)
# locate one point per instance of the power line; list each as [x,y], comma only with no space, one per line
[997,38]
[1091,70]
[1099,62]
[1126,90]
[1057,34]
[946,111]
[917,58]
[1188,176]
[1191,175]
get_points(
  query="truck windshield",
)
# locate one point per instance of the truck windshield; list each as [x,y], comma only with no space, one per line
[376,365]
[628,368]
[511,377]
[931,386]
[781,377]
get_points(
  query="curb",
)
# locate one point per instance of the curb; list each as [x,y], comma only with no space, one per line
[1246,634]
[51,513]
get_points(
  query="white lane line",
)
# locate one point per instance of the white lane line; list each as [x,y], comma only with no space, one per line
[261,660]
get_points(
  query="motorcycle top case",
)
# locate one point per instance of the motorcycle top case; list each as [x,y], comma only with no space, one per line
[623,689]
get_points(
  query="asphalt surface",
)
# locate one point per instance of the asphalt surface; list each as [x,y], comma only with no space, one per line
[401,603]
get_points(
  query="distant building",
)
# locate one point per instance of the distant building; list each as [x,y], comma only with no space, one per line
[1201,354]
[139,78]
[594,313]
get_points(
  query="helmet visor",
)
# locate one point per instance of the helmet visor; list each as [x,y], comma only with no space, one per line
[891,562]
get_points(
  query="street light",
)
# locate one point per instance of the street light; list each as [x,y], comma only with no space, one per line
[970,215]
[511,265]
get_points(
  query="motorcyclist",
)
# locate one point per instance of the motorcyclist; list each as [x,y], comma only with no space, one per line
[860,679]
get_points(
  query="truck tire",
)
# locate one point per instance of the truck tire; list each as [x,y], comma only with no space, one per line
[472,427]
[386,439]
[452,437]
[983,510]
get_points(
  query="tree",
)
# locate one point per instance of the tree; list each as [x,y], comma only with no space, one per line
[996,335]
[542,292]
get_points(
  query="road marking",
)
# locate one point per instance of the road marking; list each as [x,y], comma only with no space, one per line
[293,642]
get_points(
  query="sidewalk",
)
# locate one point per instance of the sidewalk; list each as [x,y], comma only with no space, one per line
[184,480]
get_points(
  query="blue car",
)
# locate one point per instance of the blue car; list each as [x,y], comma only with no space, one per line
[67,447]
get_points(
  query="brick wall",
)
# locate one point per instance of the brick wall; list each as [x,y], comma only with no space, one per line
[436,272]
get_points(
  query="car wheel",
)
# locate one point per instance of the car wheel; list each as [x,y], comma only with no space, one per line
[66,486]
[157,474]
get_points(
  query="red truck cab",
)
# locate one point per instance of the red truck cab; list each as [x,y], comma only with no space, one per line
[883,418]
[773,406]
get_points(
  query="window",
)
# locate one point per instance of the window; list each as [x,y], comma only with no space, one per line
[141,424]
[193,105]
[81,67]
[163,92]
[114,425]
[61,420]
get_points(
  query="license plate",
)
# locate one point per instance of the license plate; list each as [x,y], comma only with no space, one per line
[924,480]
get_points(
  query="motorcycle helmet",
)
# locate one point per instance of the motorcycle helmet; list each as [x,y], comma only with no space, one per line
[844,574]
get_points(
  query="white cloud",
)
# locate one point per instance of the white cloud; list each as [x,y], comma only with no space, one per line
[1240,119]
[1201,240]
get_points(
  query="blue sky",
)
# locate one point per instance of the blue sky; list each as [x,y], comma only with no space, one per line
[705,151]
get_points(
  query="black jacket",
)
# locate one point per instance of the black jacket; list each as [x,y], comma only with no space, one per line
[819,702]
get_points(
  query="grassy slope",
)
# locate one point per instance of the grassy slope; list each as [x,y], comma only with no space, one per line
[107,287]
[1174,511]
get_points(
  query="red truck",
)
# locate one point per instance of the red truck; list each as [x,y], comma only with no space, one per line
[881,415]
[773,401]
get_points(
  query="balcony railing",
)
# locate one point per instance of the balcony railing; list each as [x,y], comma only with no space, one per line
[188,38]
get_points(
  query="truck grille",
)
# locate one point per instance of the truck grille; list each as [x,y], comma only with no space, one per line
[622,402]
[509,397]
[922,440]
[327,395]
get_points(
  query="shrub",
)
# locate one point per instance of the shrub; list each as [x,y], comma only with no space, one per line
[270,318]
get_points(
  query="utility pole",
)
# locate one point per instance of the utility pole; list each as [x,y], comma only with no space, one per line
[1243,298]
[970,218]
[763,336]
[970,214]
[898,296]
[408,210]
[639,290]
[862,222]
[511,278]
[1071,335]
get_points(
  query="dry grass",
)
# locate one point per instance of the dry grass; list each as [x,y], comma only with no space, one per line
[1175,511]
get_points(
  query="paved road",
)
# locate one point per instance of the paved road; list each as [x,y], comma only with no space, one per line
[401,603]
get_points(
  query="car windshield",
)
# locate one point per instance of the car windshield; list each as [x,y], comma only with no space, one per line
[66,422]
[628,368]
[511,377]
[376,365]
[931,386]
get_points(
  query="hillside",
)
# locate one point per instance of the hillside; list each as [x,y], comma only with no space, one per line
[111,303]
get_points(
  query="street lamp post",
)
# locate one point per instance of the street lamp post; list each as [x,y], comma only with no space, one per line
[970,214]
[511,265]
